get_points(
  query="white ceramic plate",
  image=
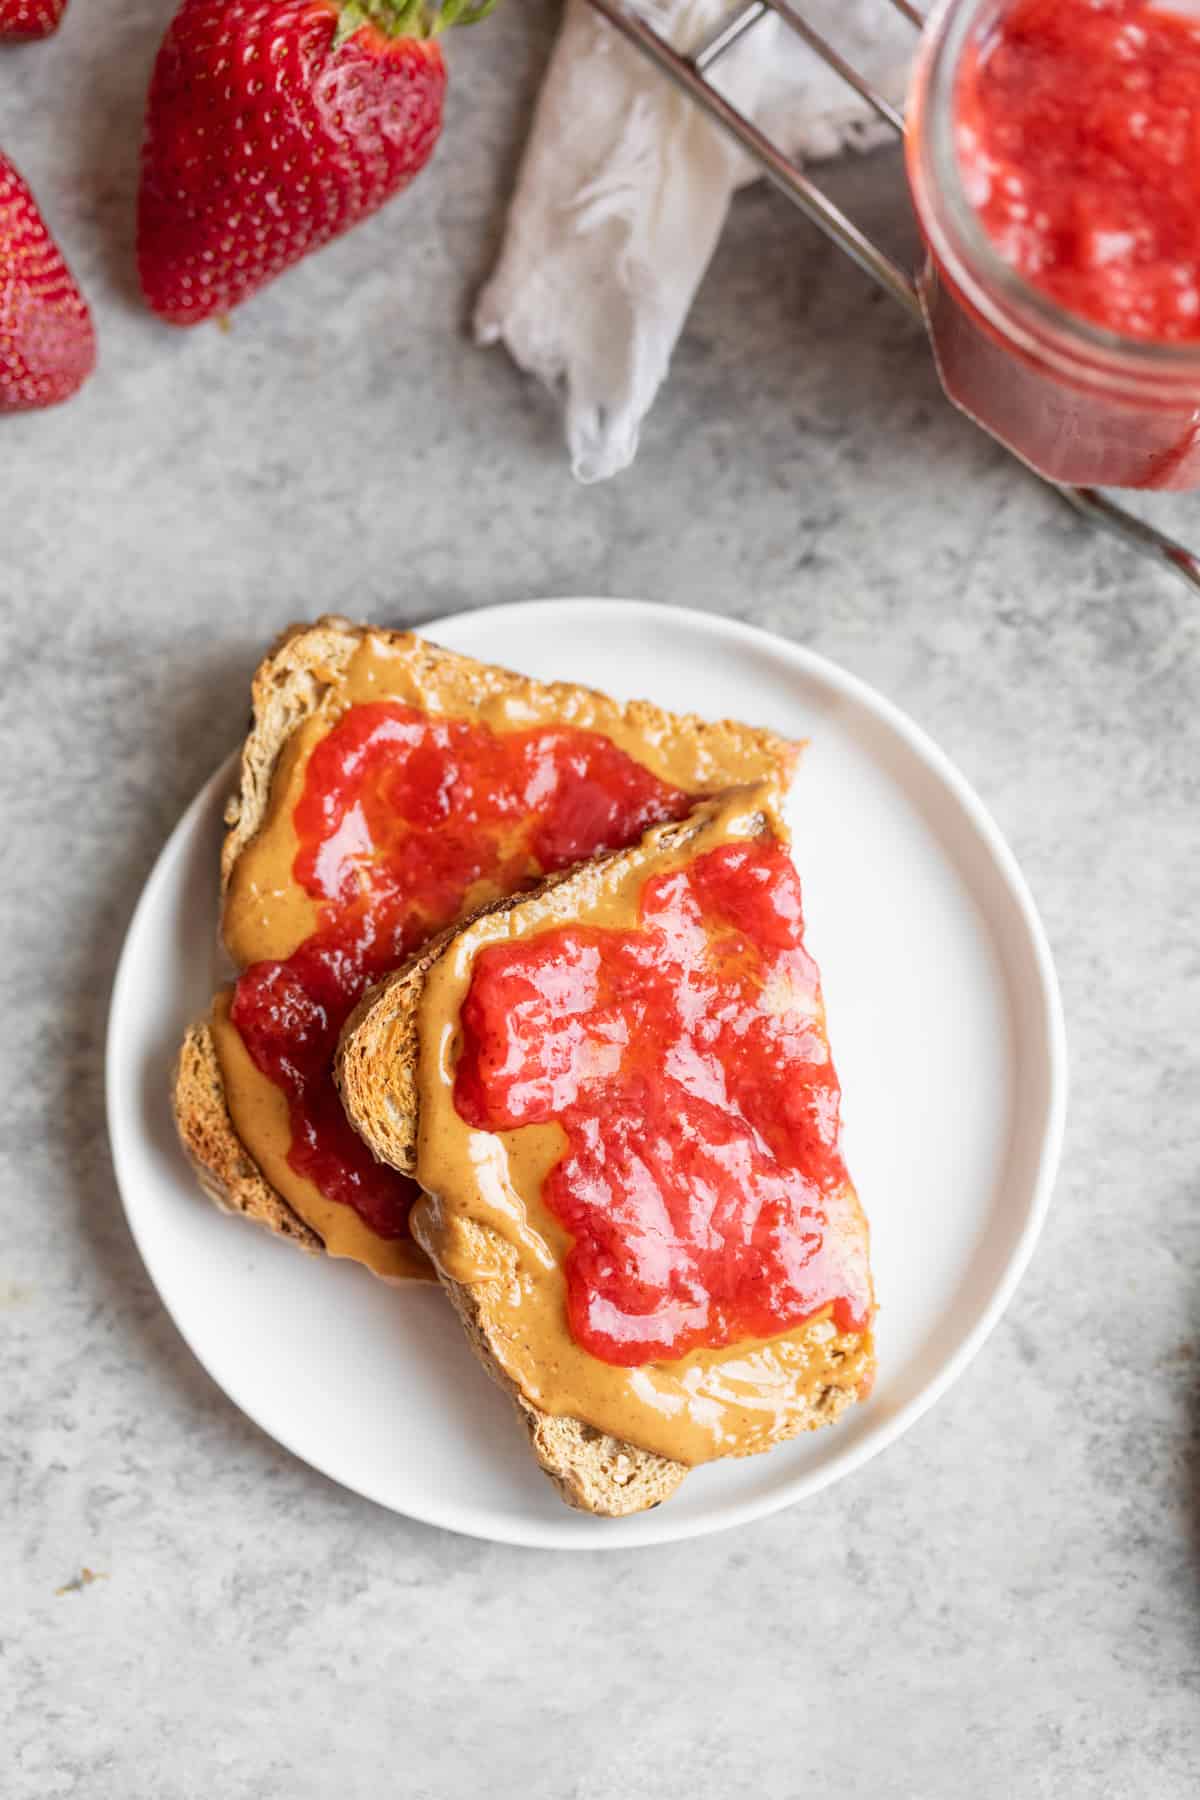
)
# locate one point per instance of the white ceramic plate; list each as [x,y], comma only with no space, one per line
[947,1029]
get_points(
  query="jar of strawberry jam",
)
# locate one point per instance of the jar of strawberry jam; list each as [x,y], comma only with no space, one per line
[1054,161]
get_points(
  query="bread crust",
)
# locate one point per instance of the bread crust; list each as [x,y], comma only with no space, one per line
[225,1170]
[593,1472]
[286,690]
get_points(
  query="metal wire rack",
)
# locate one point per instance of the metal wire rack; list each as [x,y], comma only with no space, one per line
[691,71]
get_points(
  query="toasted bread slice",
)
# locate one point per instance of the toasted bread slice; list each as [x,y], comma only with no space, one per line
[304,675]
[378,1069]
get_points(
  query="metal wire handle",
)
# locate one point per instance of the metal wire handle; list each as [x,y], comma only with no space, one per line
[690,72]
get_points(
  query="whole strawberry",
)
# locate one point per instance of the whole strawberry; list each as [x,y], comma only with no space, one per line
[30,18]
[273,126]
[47,345]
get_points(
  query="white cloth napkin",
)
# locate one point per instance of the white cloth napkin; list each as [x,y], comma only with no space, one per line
[625,185]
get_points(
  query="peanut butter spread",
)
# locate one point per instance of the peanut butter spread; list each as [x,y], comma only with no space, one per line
[285,882]
[259,1110]
[486,1218]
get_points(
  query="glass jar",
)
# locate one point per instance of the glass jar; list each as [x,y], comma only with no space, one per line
[1082,404]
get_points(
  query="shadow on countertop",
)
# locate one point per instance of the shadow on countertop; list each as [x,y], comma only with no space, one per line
[198,721]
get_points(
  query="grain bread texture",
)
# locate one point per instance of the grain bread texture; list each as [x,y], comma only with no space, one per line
[303,665]
[376,1070]
[224,1168]
[287,688]
[592,1471]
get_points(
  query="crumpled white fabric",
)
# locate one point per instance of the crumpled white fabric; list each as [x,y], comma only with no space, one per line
[625,185]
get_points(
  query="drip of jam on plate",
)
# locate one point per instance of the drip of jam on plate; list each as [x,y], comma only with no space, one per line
[1078,130]
[402,817]
[686,1062]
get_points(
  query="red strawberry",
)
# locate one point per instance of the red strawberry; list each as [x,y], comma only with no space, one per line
[47,345]
[30,18]
[274,125]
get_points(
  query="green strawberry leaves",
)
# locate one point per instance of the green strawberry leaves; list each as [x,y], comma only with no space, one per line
[406,18]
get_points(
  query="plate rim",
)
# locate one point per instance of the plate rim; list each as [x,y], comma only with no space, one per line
[532,1534]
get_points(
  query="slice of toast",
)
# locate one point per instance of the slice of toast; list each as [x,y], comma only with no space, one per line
[305,675]
[378,1069]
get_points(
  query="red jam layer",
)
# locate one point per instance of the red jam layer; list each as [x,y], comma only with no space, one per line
[688,1066]
[401,816]
[1079,138]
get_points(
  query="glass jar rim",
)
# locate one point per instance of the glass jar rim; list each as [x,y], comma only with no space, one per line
[967,247]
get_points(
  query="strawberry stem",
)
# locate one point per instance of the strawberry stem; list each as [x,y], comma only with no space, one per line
[406,18]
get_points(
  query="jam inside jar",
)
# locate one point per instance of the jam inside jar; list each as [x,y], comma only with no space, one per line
[1054,160]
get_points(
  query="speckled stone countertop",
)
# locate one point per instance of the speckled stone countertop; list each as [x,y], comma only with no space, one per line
[1007,1602]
